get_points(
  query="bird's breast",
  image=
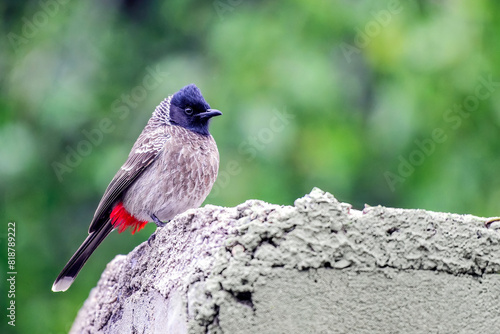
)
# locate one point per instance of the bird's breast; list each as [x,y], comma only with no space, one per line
[180,178]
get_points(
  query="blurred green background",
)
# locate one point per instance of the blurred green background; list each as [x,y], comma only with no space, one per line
[386,102]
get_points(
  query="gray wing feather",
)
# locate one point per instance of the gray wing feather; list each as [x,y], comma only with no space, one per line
[142,155]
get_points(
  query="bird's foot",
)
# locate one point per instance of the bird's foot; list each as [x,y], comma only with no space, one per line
[491,221]
[158,222]
[152,237]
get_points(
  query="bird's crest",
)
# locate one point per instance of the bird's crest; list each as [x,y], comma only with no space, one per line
[162,111]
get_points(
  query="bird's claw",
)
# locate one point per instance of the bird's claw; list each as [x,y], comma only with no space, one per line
[152,237]
[158,222]
[491,221]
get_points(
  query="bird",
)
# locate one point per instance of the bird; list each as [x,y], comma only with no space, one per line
[171,168]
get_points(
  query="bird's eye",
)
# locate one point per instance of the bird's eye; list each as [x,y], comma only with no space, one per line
[188,111]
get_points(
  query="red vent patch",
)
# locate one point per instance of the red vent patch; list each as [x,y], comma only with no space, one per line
[121,219]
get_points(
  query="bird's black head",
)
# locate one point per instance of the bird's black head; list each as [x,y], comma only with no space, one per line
[189,109]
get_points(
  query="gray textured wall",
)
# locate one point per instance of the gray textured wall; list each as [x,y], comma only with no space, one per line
[316,267]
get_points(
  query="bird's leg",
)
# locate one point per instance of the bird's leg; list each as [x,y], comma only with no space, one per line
[158,222]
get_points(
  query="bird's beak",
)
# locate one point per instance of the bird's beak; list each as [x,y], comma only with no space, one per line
[209,114]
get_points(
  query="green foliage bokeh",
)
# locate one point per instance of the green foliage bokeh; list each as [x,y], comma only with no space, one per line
[391,102]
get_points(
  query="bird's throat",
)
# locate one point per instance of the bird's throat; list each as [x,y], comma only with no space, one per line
[122,219]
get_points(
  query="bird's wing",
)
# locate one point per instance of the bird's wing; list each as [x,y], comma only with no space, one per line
[144,152]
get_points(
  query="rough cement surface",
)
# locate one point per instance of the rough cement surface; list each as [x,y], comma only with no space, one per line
[316,267]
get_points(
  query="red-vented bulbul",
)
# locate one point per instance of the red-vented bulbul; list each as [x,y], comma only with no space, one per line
[171,168]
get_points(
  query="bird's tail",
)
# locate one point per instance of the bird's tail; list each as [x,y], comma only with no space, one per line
[72,268]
